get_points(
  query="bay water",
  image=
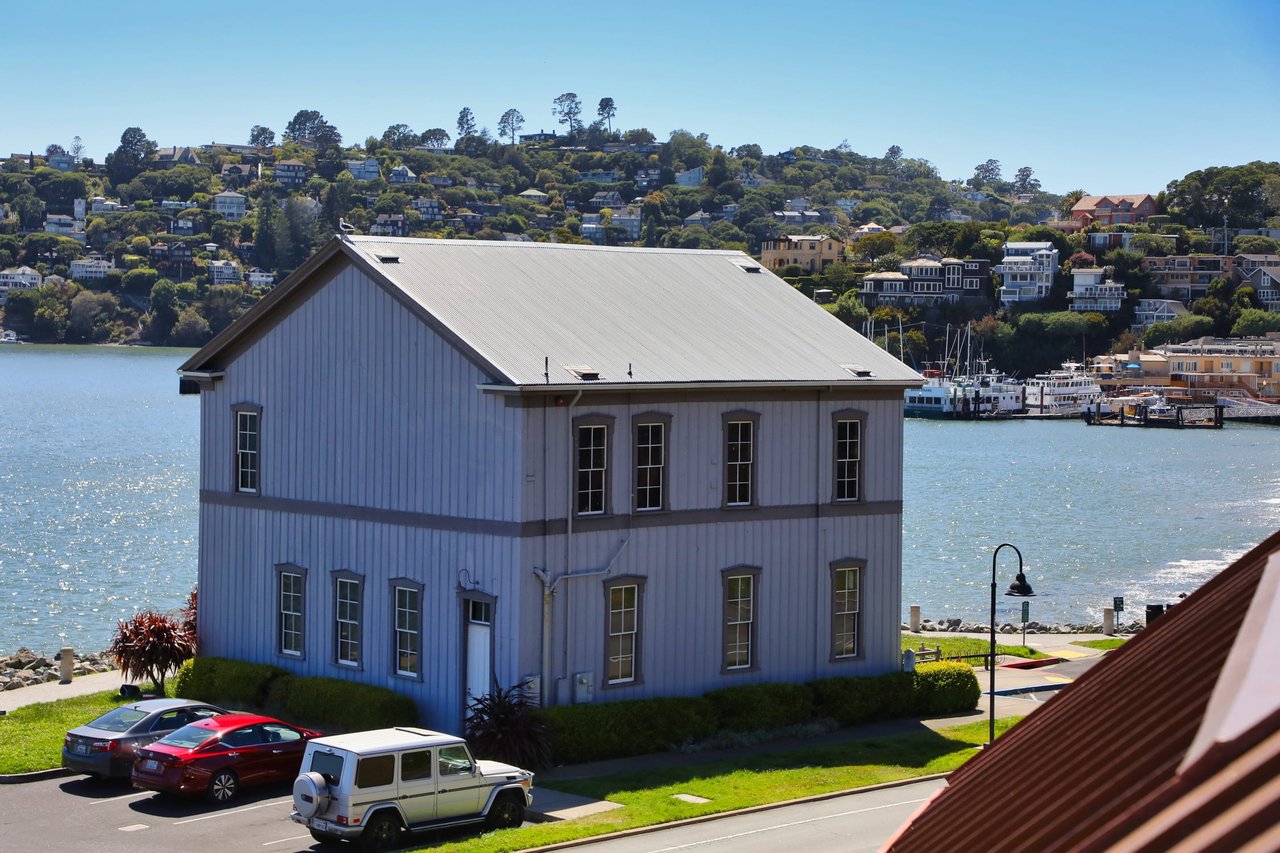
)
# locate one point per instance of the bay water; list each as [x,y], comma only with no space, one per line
[99,479]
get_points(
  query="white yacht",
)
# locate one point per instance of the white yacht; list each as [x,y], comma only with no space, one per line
[1064,393]
[9,336]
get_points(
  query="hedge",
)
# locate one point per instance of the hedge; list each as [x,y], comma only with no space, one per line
[619,729]
[945,687]
[327,703]
[758,707]
[852,701]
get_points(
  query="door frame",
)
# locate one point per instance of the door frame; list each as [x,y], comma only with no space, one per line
[465,598]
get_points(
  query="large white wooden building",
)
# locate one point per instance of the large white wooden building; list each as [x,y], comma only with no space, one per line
[618,473]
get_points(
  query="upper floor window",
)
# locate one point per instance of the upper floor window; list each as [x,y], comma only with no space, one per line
[591,447]
[740,430]
[247,421]
[847,454]
[650,437]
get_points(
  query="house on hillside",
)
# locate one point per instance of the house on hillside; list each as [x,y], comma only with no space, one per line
[928,280]
[364,170]
[690,177]
[1140,753]
[402,174]
[1092,291]
[441,465]
[239,174]
[1106,210]
[1187,277]
[536,196]
[167,158]
[224,272]
[18,278]
[811,252]
[230,205]
[290,173]
[1028,269]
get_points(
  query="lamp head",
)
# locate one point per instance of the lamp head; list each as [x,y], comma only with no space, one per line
[1020,588]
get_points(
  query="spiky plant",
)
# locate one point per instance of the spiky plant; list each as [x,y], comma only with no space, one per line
[149,645]
[503,726]
[189,615]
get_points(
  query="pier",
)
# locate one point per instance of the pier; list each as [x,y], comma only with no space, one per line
[1171,417]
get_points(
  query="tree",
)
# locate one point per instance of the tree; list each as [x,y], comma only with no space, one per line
[607,110]
[191,330]
[1069,201]
[53,149]
[124,164]
[466,122]
[90,317]
[76,149]
[985,175]
[1024,183]
[894,154]
[850,310]
[1255,244]
[151,644]
[510,123]
[310,125]
[436,137]
[567,109]
[1254,323]
[399,137]
[262,137]
[266,237]
[29,209]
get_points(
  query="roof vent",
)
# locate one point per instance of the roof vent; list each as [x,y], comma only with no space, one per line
[585,373]
[857,371]
[388,259]
[747,266]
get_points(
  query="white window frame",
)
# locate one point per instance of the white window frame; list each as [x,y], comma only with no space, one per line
[740,437]
[248,445]
[406,604]
[739,623]
[847,456]
[623,603]
[291,588]
[846,617]
[591,481]
[348,621]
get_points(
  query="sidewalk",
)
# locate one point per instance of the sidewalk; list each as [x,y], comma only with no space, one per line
[552,805]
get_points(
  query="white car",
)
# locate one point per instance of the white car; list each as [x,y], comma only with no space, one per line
[370,787]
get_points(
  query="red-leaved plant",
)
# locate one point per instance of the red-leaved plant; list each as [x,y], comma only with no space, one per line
[151,644]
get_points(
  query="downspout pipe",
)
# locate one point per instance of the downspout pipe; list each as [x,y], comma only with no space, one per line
[570,511]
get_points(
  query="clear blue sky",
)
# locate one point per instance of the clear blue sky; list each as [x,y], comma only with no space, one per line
[1115,97]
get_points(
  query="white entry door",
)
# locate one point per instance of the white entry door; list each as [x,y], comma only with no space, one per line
[479,622]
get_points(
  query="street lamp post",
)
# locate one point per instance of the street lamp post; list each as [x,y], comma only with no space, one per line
[1019,589]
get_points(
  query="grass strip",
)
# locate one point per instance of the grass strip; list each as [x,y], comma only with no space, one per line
[953,647]
[31,736]
[1104,645]
[742,781]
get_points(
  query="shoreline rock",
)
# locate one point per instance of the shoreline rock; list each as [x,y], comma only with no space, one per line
[24,667]
[960,626]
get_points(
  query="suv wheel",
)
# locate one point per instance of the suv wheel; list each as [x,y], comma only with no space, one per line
[506,812]
[381,833]
[223,787]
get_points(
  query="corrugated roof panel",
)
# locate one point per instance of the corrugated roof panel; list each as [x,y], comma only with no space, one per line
[671,316]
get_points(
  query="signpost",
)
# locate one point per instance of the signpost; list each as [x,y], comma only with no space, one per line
[1117,604]
[1026,615]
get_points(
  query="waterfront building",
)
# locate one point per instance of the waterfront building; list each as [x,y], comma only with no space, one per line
[438,466]
[811,252]
[1027,271]
[18,278]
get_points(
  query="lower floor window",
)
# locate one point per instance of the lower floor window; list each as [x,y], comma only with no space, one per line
[408,630]
[623,606]
[347,617]
[844,614]
[290,614]
[739,621]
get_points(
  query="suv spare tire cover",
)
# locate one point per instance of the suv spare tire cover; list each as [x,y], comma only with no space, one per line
[310,794]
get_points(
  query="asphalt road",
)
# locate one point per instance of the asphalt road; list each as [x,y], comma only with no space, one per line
[76,815]
[847,824]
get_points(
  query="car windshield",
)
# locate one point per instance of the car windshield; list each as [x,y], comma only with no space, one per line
[119,719]
[188,737]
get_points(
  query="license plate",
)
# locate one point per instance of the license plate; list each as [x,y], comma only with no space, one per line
[150,765]
[79,749]
[320,825]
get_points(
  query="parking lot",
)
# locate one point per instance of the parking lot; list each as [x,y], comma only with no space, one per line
[76,814]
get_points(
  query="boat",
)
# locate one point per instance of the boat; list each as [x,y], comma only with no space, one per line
[9,336]
[1064,393]
[947,393]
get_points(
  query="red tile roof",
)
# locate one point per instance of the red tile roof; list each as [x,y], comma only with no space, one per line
[1173,739]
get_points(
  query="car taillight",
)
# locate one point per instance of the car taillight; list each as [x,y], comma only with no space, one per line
[104,745]
[342,820]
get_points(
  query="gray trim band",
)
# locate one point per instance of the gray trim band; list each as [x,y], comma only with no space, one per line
[552,527]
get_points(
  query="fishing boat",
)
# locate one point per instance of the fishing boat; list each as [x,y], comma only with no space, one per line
[9,336]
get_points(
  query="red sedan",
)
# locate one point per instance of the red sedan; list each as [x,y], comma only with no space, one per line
[218,756]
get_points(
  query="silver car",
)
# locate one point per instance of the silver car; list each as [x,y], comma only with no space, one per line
[106,746]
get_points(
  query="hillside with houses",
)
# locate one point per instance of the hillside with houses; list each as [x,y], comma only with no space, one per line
[168,245]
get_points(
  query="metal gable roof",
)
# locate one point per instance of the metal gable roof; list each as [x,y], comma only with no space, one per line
[633,316]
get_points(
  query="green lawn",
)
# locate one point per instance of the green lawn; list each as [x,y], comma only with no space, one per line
[31,736]
[742,781]
[956,646]
[1105,645]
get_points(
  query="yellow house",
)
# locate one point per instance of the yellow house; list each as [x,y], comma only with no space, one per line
[810,252]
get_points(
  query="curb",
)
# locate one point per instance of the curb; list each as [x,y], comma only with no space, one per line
[644,830]
[1034,663]
[36,776]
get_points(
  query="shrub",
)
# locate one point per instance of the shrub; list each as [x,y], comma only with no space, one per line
[853,700]
[149,645]
[226,681]
[504,727]
[620,729]
[752,707]
[335,704]
[945,687]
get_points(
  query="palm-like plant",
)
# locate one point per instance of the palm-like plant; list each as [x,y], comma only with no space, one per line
[149,645]
[503,726]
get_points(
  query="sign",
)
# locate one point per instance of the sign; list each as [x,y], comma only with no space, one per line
[1117,604]
[1026,611]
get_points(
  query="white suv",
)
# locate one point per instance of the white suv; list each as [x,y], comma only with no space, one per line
[372,786]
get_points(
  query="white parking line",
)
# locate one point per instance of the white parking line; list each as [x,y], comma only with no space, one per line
[234,811]
[121,797]
[285,840]
[776,827]
[133,827]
